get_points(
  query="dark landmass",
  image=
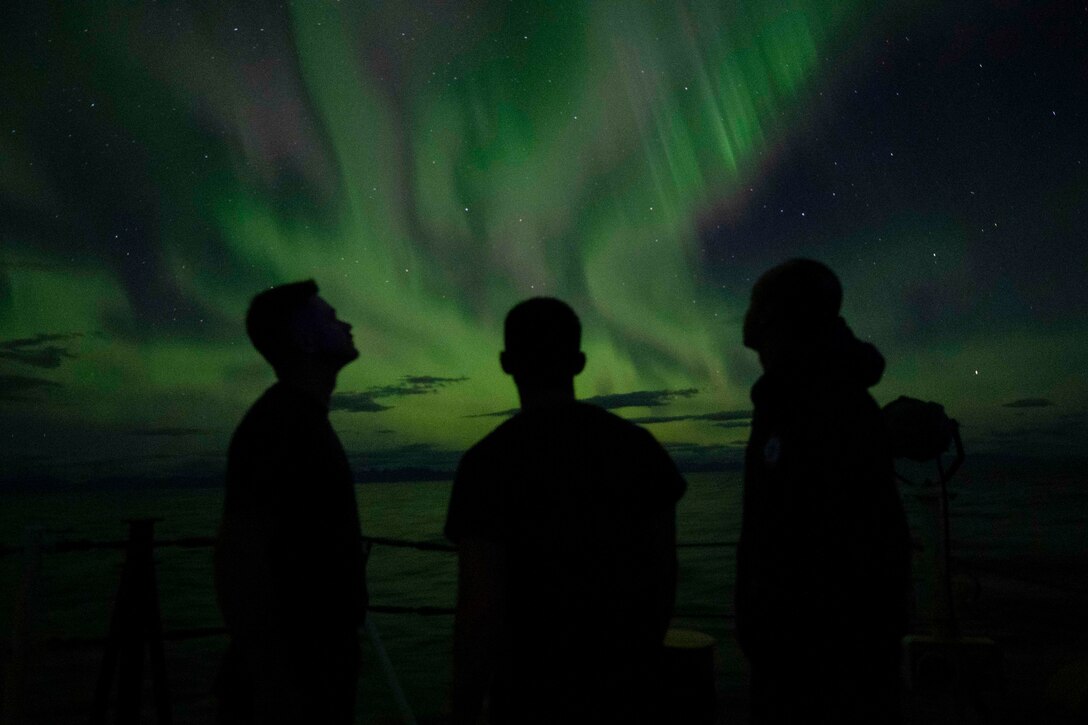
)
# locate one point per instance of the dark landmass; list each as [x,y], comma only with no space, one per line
[993,470]
[403,475]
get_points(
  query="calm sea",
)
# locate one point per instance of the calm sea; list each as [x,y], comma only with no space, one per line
[1024,521]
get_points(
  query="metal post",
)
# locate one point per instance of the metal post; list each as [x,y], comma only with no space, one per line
[135,624]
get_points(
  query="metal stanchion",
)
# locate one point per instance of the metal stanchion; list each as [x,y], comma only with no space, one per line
[136,625]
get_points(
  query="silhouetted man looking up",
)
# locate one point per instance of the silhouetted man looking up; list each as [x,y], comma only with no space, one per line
[823,564]
[289,562]
[564,518]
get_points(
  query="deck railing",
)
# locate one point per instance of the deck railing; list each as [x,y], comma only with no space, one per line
[136,625]
[202,542]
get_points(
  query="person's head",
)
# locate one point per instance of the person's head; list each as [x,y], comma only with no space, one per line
[792,304]
[294,328]
[543,340]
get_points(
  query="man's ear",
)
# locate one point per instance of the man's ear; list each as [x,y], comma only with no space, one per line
[506,362]
[300,333]
[578,364]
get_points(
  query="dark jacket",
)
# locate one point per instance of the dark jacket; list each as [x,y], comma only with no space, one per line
[289,558]
[583,504]
[824,553]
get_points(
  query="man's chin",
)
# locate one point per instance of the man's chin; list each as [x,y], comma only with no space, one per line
[342,358]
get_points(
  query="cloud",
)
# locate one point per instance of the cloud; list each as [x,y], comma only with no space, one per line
[639,398]
[724,418]
[36,351]
[413,385]
[634,399]
[170,432]
[1030,403]
[399,391]
[497,414]
[431,380]
[365,401]
[14,387]
[356,403]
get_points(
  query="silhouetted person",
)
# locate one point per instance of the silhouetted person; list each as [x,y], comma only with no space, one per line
[564,517]
[289,562]
[823,565]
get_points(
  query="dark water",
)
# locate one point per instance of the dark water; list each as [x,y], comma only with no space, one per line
[1015,526]
[77,589]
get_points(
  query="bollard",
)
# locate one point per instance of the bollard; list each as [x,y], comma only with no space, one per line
[689,677]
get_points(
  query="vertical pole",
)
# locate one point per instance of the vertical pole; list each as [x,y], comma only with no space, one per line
[931,586]
[153,636]
[24,629]
[951,626]
[135,625]
[120,622]
[138,564]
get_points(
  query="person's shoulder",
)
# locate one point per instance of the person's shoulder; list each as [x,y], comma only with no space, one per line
[849,406]
[494,442]
[640,454]
[509,428]
[260,442]
[274,400]
[271,413]
[605,425]
[606,420]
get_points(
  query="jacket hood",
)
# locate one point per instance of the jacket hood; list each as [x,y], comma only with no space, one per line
[855,361]
[834,357]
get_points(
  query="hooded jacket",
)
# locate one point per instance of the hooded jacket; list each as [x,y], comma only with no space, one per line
[824,552]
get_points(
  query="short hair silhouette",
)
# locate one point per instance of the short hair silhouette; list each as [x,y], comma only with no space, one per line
[543,339]
[268,321]
[563,515]
[798,294]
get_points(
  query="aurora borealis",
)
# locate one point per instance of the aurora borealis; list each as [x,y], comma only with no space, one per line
[432,163]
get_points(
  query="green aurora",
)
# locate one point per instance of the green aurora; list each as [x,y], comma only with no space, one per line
[430,166]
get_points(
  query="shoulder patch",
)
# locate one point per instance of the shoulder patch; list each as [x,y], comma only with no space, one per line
[772,450]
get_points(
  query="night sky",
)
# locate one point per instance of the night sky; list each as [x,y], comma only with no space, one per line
[432,163]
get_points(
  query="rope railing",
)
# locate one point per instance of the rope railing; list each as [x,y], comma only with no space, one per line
[136,626]
[189,633]
[199,542]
